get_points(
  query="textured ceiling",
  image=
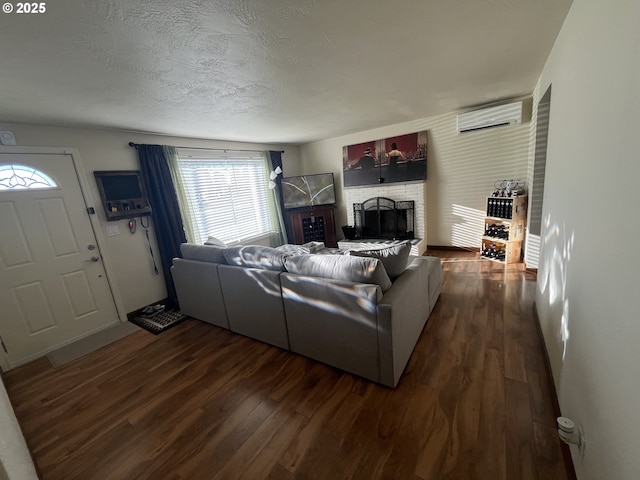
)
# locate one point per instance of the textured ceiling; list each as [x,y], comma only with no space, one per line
[287,71]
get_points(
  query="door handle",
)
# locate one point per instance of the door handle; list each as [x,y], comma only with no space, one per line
[92,259]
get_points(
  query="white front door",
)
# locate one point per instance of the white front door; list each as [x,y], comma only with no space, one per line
[53,286]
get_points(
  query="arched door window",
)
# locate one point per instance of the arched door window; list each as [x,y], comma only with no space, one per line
[21,177]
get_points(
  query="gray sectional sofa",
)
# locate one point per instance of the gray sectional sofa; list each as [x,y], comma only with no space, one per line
[340,309]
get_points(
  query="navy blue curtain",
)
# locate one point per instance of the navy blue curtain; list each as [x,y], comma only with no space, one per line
[276,161]
[167,221]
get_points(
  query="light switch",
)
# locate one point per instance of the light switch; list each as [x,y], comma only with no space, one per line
[112,230]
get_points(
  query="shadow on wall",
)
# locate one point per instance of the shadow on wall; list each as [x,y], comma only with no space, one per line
[552,285]
[468,228]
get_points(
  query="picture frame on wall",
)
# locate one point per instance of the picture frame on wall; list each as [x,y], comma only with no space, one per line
[402,158]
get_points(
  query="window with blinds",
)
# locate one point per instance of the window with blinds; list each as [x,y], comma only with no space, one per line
[227,197]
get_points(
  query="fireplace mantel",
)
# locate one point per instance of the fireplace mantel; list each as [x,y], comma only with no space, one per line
[380,222]
[370,244]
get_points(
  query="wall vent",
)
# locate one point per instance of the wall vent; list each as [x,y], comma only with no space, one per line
[490,117]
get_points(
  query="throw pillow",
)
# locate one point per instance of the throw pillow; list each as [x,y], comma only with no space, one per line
[394,258]
[203,253]
[340,267]
[255,256]
[216,242]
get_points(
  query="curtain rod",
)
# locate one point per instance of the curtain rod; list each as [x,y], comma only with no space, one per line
[136,145]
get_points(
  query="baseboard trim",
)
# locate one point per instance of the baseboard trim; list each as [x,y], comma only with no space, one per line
[566,451]
[452,248]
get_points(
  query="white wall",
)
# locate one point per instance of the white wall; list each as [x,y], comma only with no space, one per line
[109,150]
[461,170]
[588,273]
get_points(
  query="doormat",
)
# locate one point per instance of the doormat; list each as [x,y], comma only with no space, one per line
[159,322]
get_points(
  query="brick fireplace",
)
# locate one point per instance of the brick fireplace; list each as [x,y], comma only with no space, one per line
[398,192]
[383,218]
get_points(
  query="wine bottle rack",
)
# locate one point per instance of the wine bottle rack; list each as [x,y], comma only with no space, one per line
[504,228]
[510,208]
[313,229]
[500,251]
[313,224]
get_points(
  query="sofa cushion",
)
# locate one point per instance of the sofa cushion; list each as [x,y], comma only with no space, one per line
[340,267]
[394,258]
[255,256]
[204,253]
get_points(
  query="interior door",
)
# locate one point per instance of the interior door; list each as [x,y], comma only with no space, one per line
[53,286]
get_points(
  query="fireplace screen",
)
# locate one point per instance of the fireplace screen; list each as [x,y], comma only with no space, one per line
[381,217]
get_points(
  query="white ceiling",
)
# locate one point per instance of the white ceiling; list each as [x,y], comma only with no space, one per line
[289,71]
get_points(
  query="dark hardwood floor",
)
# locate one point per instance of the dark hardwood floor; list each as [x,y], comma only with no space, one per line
[198,402]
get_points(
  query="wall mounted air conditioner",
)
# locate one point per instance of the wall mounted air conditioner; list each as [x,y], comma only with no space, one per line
[490,117]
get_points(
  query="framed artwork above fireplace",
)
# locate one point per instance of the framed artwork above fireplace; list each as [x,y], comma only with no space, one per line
[398,159]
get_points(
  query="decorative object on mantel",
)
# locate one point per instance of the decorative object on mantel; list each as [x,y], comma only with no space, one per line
[396,159]
[350,232]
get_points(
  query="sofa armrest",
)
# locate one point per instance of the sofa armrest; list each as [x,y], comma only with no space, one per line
[199,293]
[403,313]
[435,280]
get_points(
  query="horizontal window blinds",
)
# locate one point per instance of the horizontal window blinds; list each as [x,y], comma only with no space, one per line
[228,198]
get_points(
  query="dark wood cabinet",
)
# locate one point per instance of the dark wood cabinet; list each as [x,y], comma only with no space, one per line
[314,224]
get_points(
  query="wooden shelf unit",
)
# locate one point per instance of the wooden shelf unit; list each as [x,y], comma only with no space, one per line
[313,224]
[506,217]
